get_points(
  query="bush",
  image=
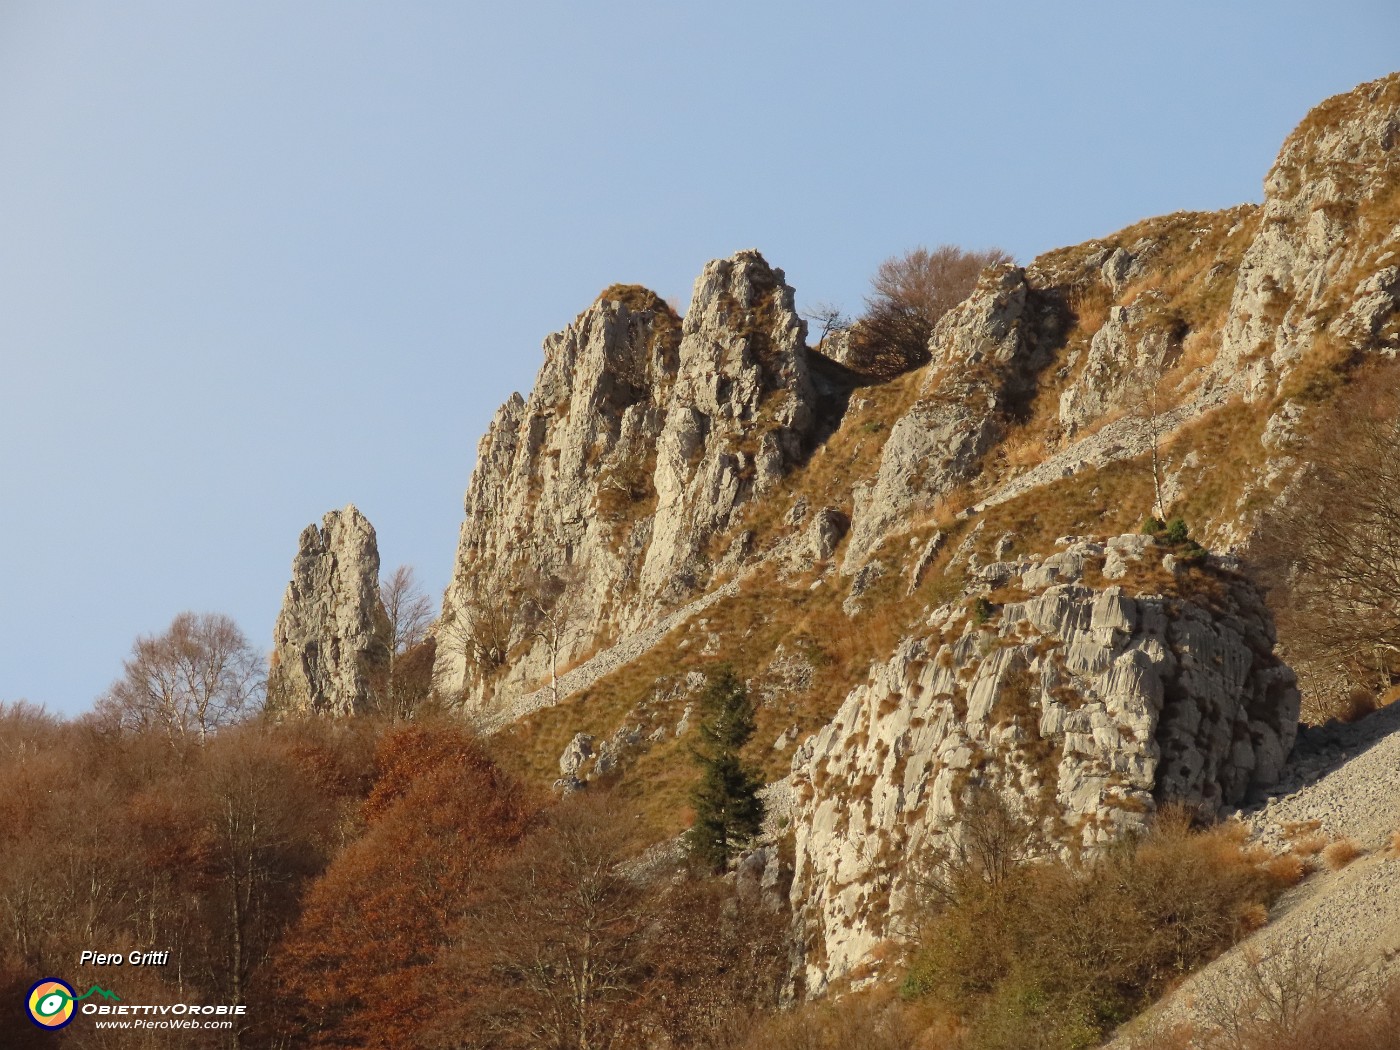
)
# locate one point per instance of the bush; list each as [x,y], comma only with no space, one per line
[1176,531]
[1056,953]
[858,1023]
[1341,853]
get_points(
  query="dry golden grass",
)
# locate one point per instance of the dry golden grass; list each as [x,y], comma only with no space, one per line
[1296,829]
[1253,916]
[767,617]
[1341,853]
[828,477]
[1229,456]
[1289,869]
[1310,845]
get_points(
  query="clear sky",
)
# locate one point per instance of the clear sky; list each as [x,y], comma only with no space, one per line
[261,259]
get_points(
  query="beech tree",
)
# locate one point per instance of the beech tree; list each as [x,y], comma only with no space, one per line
[554,946]
[198,675]
[261,823]
[363,966]
[728,811]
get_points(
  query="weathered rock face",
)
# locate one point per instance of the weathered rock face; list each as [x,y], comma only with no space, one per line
[331,639]
[1323,262]
[1122,355]
[985,352]
[741,414]
[1081,704]
[642,438]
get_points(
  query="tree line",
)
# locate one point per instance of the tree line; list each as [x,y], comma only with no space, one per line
[359,882]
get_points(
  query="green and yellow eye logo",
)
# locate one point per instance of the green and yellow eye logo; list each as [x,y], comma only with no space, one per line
[51,1003]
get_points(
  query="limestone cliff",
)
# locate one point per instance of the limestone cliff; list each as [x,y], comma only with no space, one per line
[595,502]
[985,355]
[1321,274]
[331,639]
[1095,688]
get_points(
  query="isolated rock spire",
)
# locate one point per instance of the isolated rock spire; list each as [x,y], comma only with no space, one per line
[332,636]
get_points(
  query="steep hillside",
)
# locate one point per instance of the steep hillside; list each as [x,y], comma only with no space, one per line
[1338,812]
[882,560]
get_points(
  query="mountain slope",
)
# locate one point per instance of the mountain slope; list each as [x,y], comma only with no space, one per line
[838,524]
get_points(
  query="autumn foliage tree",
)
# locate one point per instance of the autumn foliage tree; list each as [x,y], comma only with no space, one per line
[363,966]
[111,836]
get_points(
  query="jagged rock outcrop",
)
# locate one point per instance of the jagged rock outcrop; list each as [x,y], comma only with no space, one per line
[741,413]
[331,639]
[1081,697]
[985,353]
[641,440]
[1317,268]
[1096,682]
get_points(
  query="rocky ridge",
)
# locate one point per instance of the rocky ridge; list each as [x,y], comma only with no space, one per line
[642,438]
[659,464]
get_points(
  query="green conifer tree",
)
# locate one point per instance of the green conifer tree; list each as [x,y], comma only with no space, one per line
[728,811]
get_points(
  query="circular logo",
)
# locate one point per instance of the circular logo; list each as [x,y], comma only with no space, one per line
[51,1003]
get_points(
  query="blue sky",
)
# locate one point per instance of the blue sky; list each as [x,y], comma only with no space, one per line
[259,260]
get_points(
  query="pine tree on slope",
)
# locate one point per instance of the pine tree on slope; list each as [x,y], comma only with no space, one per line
[728,811]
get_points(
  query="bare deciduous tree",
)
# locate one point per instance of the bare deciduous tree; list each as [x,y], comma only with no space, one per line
[555,944]
[200,674]
[259,826]
[828,318]
[409,609]
[547,607]
[1270,996]
[480,629]
[990,844]
[410,616]
[909,294]
[1332,551]
[930,283]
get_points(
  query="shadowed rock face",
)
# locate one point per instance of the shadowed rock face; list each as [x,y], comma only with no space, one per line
[1084,706]
[331,639]
[642,438]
